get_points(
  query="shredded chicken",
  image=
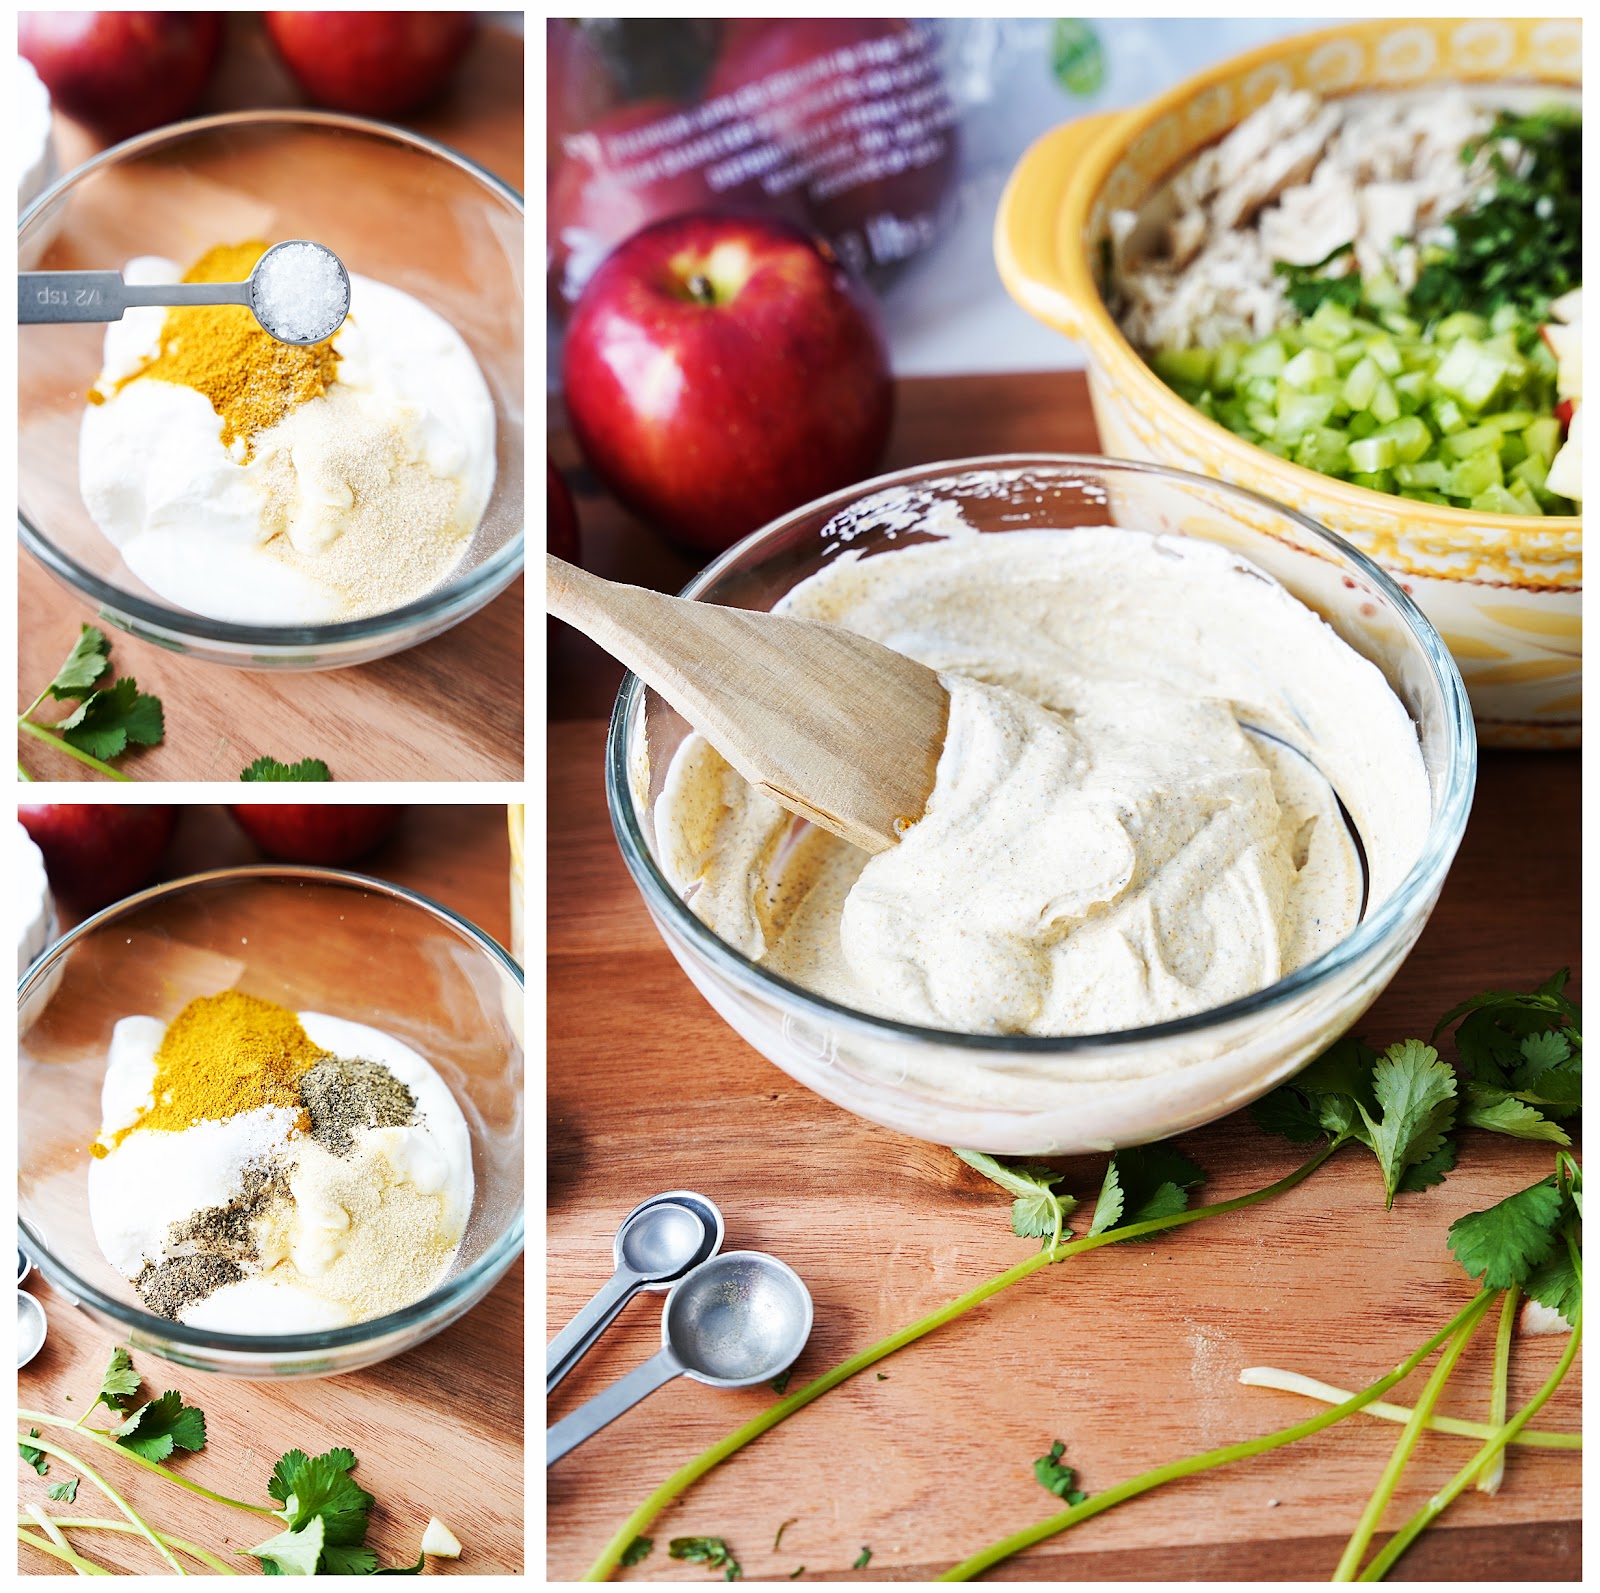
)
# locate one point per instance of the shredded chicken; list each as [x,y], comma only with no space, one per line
[1294,181]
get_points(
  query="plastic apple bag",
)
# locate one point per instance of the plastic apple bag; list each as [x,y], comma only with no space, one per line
[844,125]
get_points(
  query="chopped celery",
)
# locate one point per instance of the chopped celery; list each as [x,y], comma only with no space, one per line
[1475,475]
[1385,405]
[1462,324]
[1361,384]
[1189,366]
[1542,437]
[1377,480]
[1496,500]
[1430,473]
[1371,454]
[1265,359]
[1476,439]
[1308,366]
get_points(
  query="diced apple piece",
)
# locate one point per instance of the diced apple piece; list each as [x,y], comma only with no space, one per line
[440,1541]
[1569,307]
[1566,469]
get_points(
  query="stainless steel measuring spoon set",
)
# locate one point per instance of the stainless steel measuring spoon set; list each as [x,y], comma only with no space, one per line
[731,1320]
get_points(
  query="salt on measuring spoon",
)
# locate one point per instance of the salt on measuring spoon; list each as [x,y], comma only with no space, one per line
[737,1320]
[299,292]
[659,1241]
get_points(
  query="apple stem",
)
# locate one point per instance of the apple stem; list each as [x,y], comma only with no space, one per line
[701,289]
[41,734]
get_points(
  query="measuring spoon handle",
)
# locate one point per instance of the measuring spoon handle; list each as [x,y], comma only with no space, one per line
[609,1404]
[63,296]
[568,1346]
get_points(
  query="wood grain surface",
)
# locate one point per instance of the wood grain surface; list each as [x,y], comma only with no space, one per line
[1131,1355]
[451,709]
[437,1431]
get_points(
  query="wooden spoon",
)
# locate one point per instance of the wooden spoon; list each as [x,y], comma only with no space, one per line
[836,727]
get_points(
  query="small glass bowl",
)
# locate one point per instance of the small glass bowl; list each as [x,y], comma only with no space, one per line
[313,940]
[1027,1095]
[392,205]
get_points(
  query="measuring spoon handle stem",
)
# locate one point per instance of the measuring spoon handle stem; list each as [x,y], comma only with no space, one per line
[65,296]
[568,1346]
[609,1404]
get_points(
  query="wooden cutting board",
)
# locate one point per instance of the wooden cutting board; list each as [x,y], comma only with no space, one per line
[437,1431]
[450,709]
[1130,1356]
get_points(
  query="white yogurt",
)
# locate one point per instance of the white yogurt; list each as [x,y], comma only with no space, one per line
[205,530]
[152,1179]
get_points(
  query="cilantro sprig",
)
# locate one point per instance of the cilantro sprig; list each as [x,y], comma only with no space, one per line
[107,719]
[1037,1212]
[713,1553]
[322,1510]
[269,769]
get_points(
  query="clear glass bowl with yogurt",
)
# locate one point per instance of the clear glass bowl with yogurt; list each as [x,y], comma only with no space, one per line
[314,941]
[403,213]
[1038,1094]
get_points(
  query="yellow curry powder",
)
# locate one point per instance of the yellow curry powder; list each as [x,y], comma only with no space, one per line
[227,1054]
[221,350]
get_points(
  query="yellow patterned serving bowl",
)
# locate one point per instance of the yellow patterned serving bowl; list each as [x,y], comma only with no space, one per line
[1504,591]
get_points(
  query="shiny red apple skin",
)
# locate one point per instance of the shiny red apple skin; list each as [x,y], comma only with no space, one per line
[325,833]
[710,419]
[375,63]
[121,72]
[779,51]
[561,524]
[592,203]
[99,852]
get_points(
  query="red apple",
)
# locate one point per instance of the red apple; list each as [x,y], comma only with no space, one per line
[604,190]
[316,832]
[561,524]
[875,184]
[721,370]
[376,63]
[121,72]
[99,852]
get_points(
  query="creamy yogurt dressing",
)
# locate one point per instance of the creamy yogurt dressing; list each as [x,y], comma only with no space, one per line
[212,533]
[1132,818]
[153,1179]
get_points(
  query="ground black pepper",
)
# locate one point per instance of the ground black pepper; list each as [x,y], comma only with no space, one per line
[181,1280]
[344,1094]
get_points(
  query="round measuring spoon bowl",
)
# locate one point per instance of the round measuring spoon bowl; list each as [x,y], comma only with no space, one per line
[24,1265]
[710,1216]
[30,1328]
[300,292]
[738,1320]
[657,1243]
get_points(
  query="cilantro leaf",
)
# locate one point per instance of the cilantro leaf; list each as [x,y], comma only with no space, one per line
[105,722]
[1504,1244]
[86,663]
[34,1457]
[292,1553]
[323,1488]
[66,1491]
[119,1382]
[1324,1097]
[1555,1283]
[862,1560]
[640,1549]
[1289,1113]
[343,1559]
[1141,1183]
[712,1552]
[154,1430]
[269,769]
[1503,1113]
[1429,1171]
[1036,1211]
[1058,1479]
[1416,1095]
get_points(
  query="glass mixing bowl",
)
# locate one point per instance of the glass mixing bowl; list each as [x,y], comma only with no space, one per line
[393,206]
[311,939]
[1033,1095]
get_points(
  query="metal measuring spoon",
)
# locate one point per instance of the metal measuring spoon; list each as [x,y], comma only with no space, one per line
[45,297]
[735,1321]
[658,1242]
[31,1328]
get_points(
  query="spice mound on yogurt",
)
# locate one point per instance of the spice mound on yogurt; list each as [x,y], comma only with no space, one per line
[1137,812]
[265,1171]
[255,481]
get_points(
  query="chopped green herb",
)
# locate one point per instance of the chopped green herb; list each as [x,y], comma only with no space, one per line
[1055,1477]
[154,1430]
[34,1457]
[799,1570]
[783,1527]
[862,1560]
[640,1548]
[66,1491]
[883,1377]
[781,1381]
[269,769]
[712,1552]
